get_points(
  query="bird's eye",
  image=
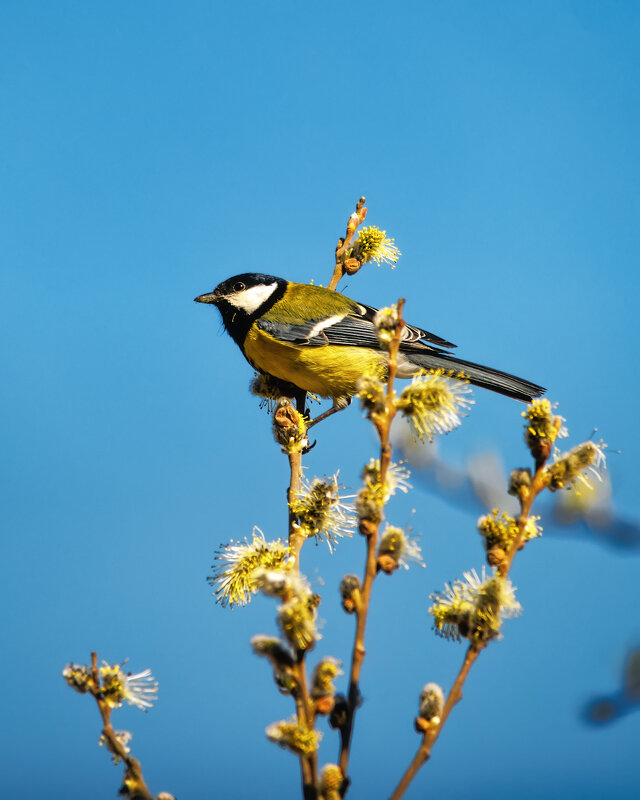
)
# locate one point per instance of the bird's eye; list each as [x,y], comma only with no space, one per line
[239,286]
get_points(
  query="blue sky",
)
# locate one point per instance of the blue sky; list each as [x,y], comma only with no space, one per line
[149,151]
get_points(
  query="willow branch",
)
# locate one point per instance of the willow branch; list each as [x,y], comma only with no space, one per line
[304,706]
[137,788]
[537,485]
[429,738]
[455,694]
[296,539]
[306,717]
[343,263]
[371,530]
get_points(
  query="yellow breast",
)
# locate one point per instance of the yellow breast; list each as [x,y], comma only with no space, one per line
[327,371]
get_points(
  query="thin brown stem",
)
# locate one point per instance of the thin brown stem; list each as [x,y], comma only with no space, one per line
[304,706]
[342,249]
[537,485]
[306,716]
[382,423]
[296,539]
[431,735]
[134,781]
[429,738]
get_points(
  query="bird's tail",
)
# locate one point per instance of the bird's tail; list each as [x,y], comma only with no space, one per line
[476,374]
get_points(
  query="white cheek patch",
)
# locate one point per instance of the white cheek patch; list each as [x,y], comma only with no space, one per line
[250,300]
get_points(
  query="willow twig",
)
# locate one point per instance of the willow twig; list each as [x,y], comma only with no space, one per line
[296,539]
[537,485]
[343,263]
[304,706]
[137,788]
[382,423]
[455,694]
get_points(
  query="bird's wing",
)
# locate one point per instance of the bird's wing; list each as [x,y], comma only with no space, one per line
[354,328]
[410,333]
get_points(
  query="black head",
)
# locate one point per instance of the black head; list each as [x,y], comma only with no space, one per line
[244,298]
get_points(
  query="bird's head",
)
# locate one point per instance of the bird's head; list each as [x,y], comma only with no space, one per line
[244,298]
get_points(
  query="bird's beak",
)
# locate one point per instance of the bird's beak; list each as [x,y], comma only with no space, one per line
[212,297]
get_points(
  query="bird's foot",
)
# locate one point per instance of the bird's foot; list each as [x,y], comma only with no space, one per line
[339,404]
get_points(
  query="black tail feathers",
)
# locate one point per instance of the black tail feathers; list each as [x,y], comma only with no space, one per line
[477,375]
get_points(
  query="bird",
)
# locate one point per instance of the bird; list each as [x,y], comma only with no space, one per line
[313,339]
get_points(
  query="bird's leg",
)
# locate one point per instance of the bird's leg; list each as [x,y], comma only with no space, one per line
[301,407]
[339,404]
[301,403]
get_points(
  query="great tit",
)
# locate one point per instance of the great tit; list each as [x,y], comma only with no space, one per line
[316,340]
